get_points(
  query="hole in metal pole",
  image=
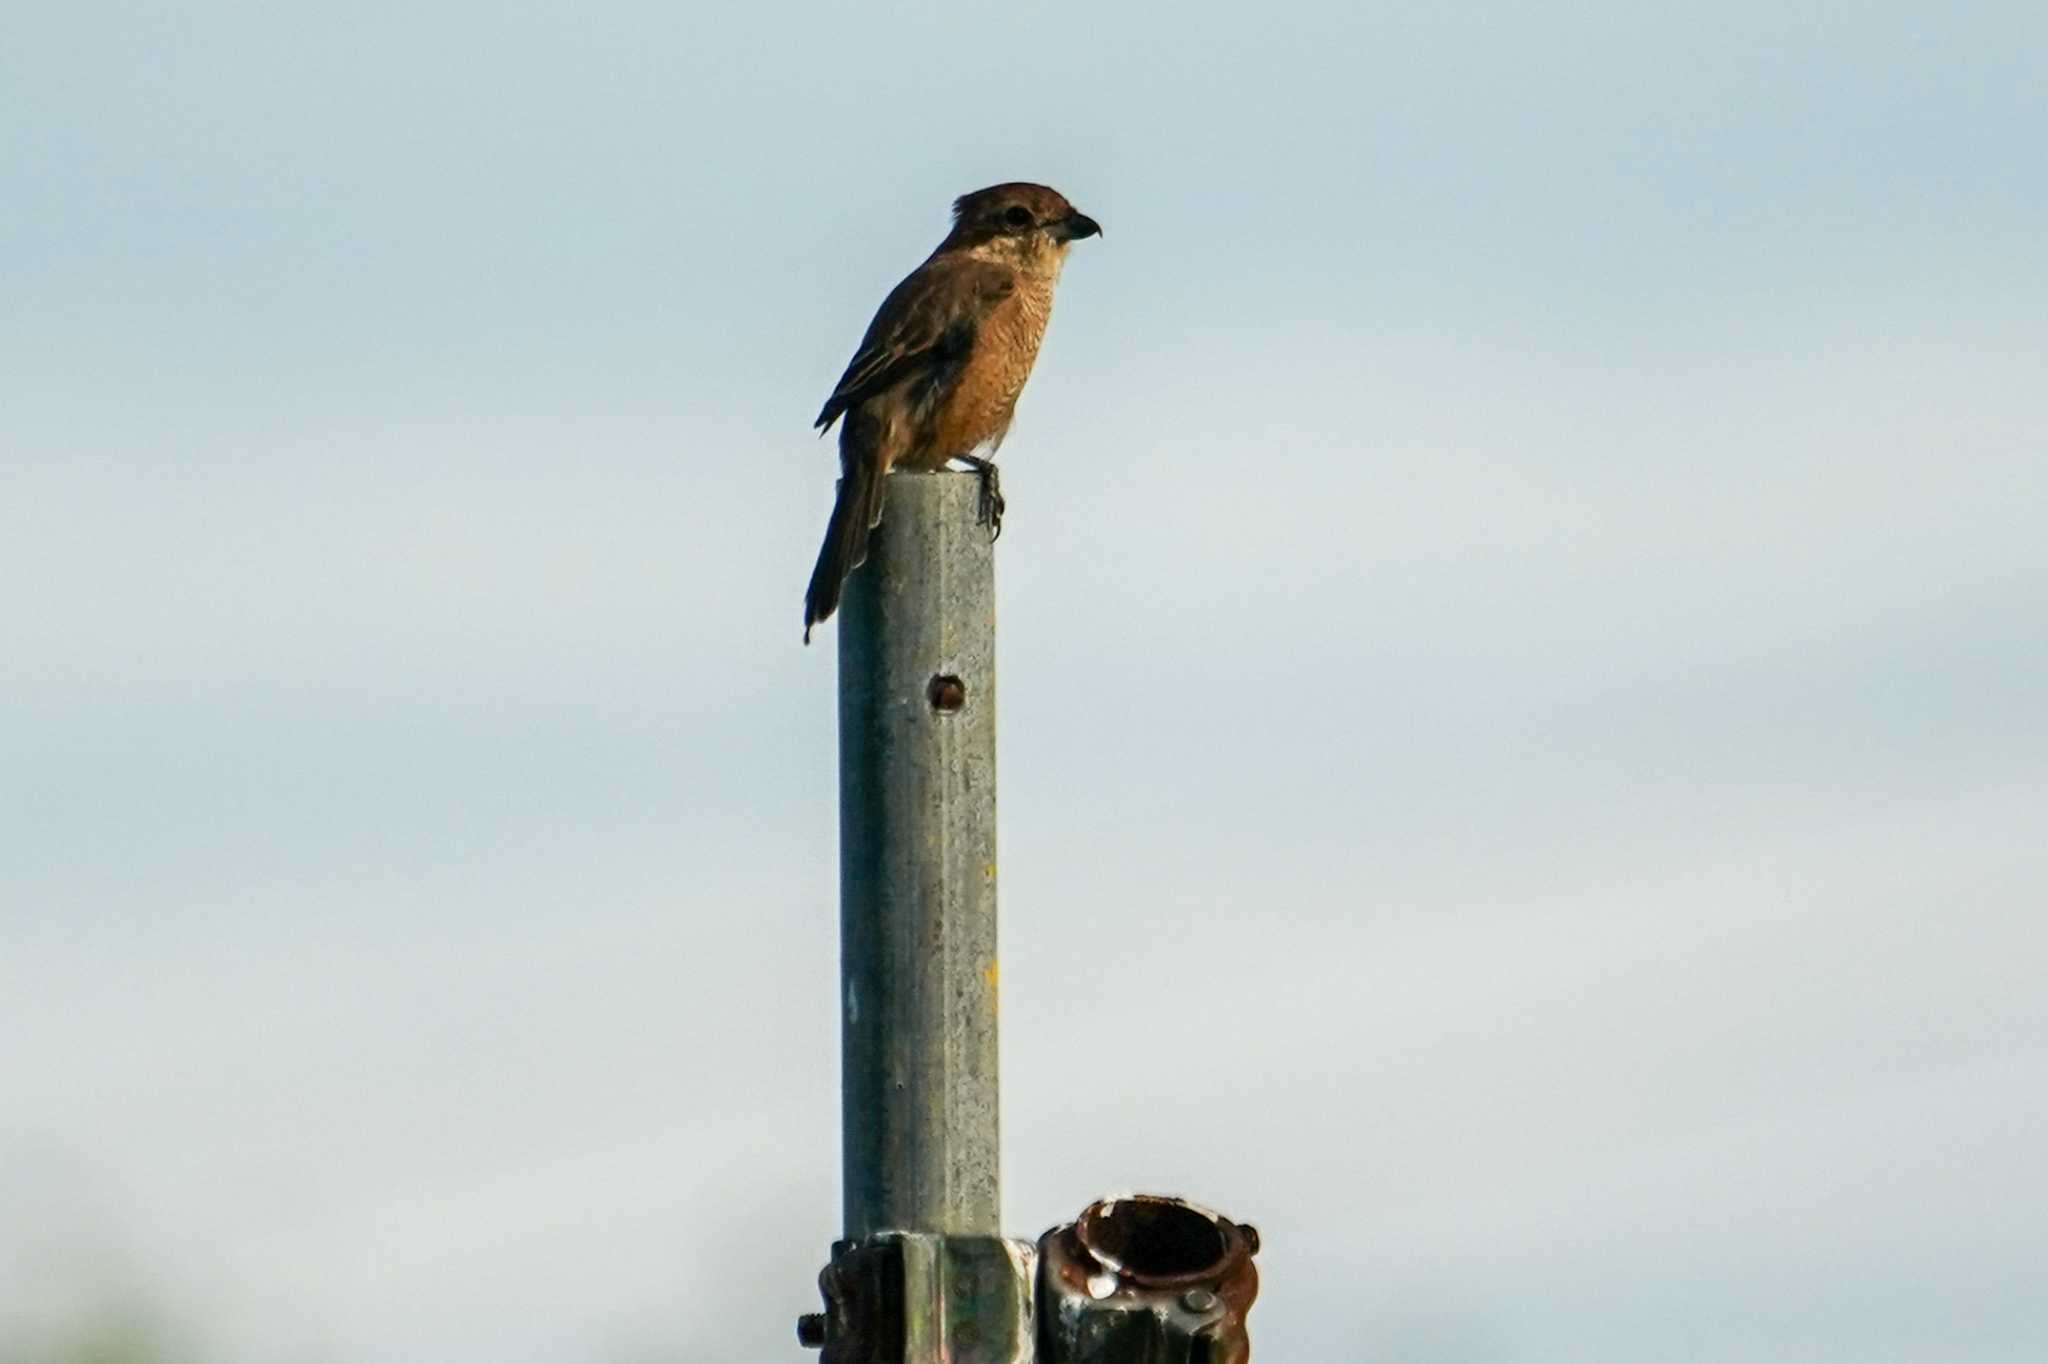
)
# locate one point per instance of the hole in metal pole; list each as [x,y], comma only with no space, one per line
[948,693]
[1152,1237]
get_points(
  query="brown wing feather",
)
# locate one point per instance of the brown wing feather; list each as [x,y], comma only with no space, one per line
[928,318]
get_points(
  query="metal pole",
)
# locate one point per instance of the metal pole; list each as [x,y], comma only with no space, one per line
[917,868]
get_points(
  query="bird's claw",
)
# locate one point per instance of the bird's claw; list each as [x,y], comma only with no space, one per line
[992,502]
[989,505]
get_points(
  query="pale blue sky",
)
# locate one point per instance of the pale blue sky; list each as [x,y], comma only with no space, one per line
[1523,641]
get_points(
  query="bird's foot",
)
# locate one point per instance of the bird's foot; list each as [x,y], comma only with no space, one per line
[990,508]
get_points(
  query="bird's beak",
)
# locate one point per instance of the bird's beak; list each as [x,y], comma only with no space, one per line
[1075,226]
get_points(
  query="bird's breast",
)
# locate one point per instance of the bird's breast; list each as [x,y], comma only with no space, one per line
[1005,347]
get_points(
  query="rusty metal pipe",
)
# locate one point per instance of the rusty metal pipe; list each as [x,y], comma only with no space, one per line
[917,868]
[1146,1277]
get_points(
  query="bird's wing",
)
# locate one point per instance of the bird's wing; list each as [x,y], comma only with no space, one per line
[928,321]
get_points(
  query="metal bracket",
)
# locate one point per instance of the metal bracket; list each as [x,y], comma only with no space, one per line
[904,1297]
[1140,1279]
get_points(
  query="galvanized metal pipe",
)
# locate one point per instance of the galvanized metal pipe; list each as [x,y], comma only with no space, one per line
[917,868]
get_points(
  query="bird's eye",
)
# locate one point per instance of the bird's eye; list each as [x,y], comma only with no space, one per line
[1016,215]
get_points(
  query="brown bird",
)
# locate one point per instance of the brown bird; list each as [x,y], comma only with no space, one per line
[937,376]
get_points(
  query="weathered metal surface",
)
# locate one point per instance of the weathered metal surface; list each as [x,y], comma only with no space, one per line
[862,1323]
[914,1298]
[1145,1279]
[968,1300]
[917,857]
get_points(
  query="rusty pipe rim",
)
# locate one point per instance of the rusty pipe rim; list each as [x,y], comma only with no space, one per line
[1160,1242]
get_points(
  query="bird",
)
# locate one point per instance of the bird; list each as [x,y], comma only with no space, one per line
[937,376]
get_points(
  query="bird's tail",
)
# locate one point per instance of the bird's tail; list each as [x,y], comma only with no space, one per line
[858,510]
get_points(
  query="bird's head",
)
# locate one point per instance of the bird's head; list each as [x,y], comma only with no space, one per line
[1026,225]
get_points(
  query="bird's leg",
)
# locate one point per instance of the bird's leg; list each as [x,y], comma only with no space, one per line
[991,512]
